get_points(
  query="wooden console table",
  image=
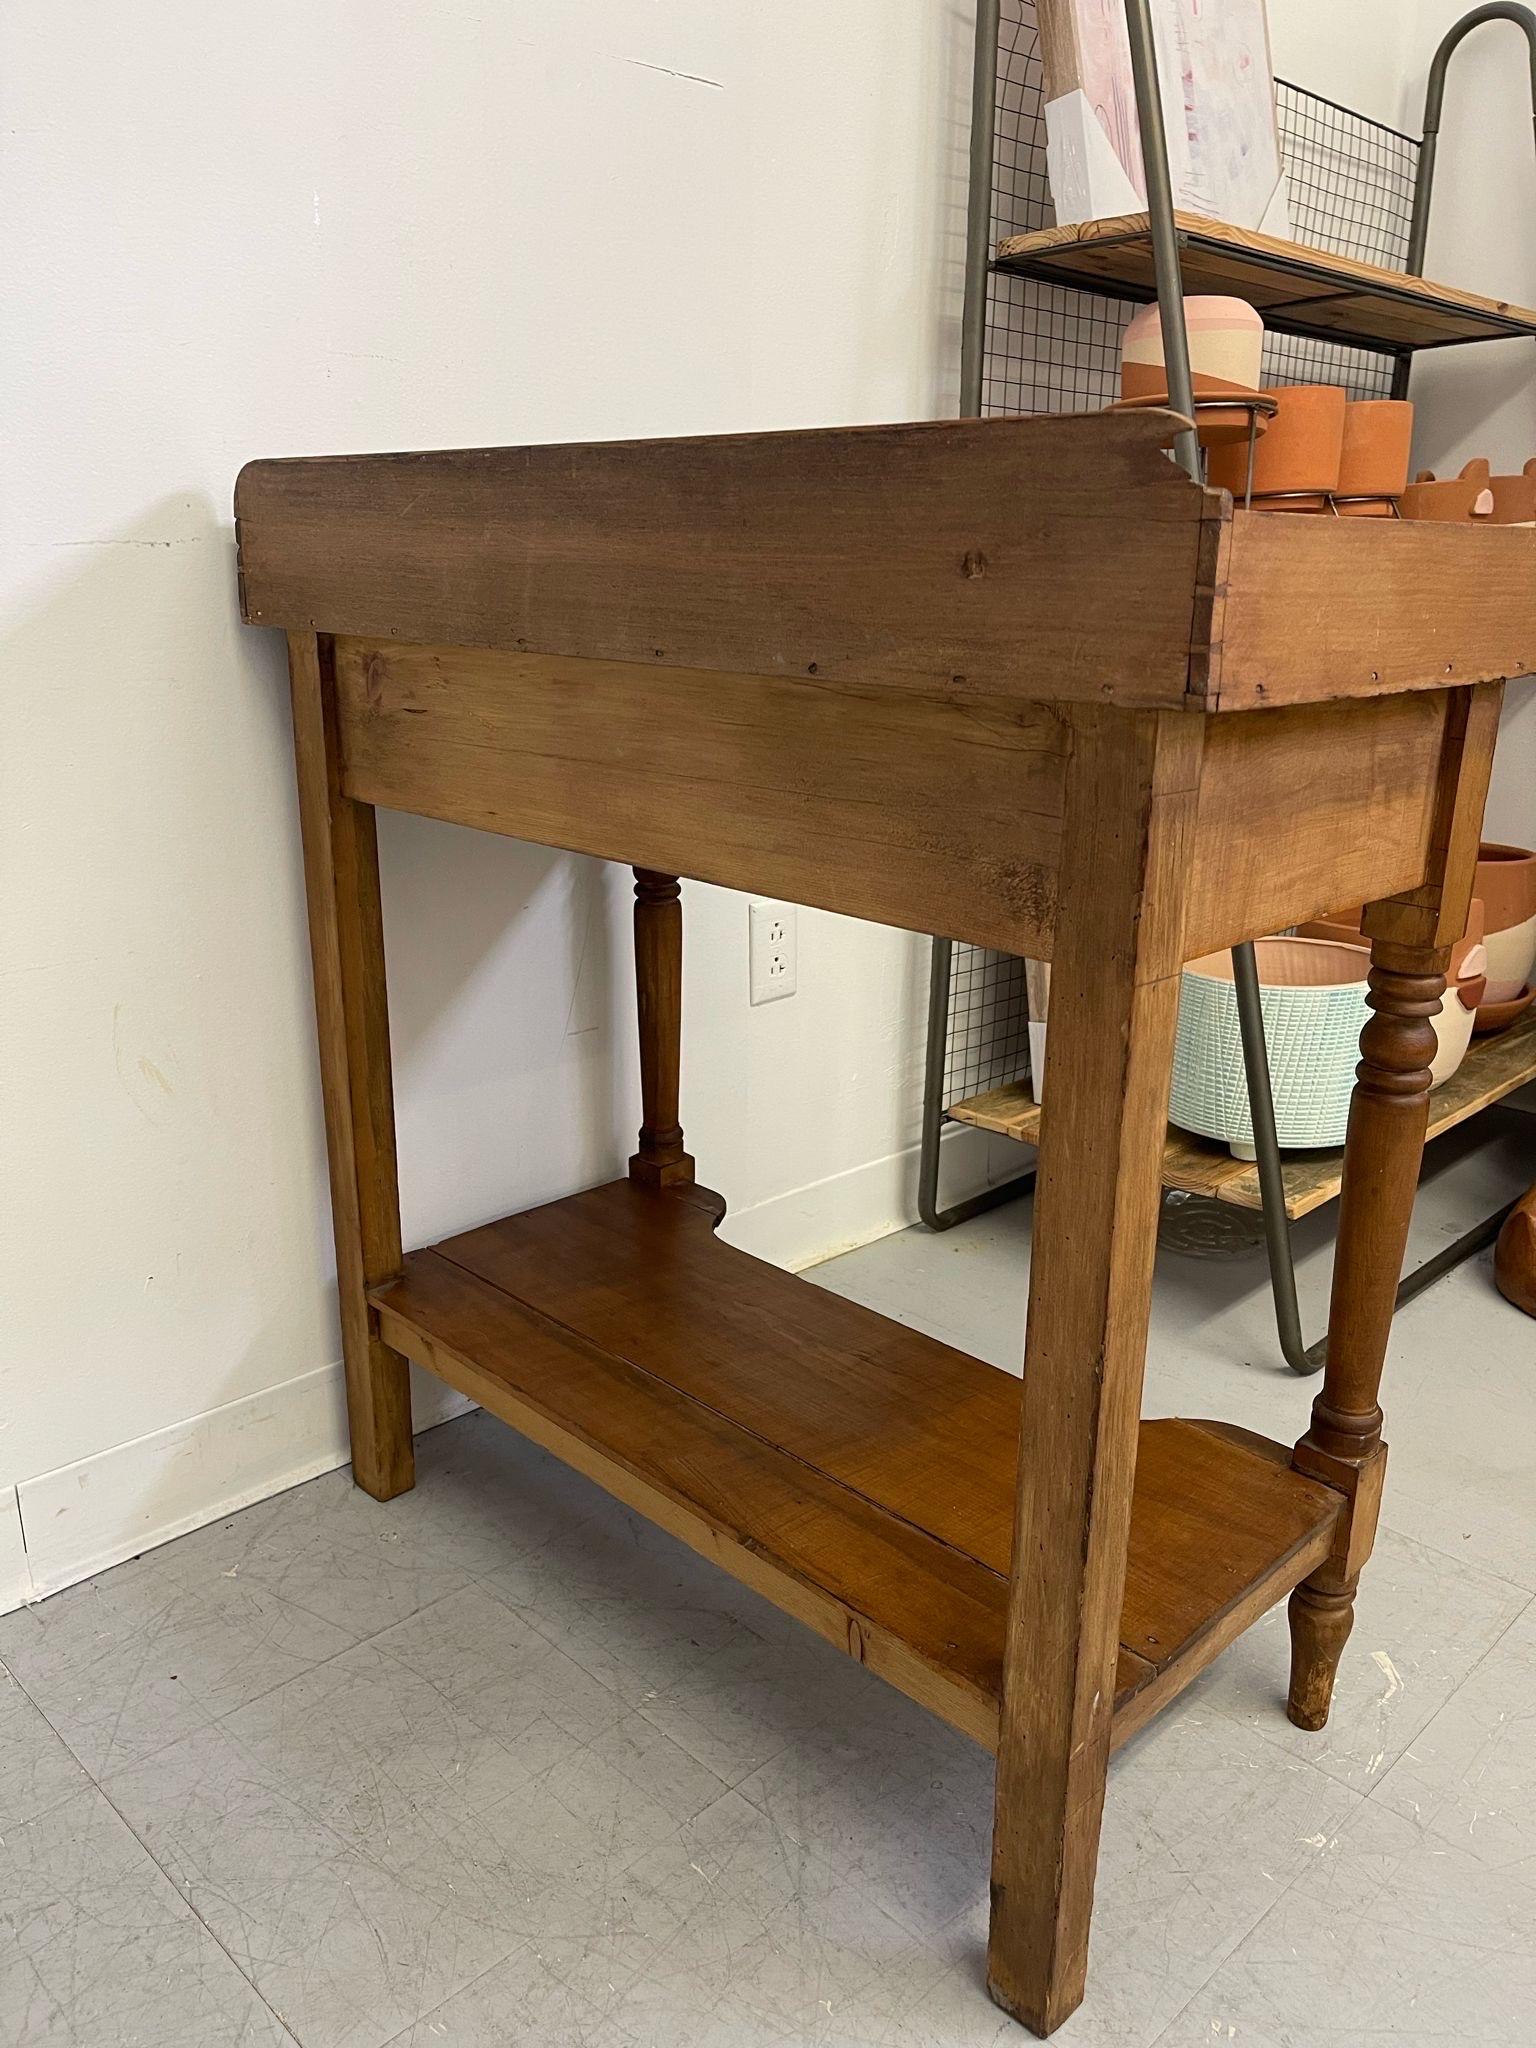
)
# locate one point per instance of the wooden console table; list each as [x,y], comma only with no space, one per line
[1018,681]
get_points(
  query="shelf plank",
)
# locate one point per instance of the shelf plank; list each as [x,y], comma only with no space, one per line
[1299,290]
[921,1615]
[856,1473]
[1494,1068]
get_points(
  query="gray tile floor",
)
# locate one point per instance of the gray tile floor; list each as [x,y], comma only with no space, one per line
[502,1764]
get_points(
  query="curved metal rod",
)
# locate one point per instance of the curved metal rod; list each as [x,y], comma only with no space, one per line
[1165,236]
[1266,1148]
[1434,106]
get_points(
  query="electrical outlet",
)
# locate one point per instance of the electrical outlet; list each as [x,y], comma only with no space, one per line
[772,950]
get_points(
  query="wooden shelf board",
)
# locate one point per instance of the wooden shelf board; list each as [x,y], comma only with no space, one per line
[1494,1067]
[1299,290]
[858,1474]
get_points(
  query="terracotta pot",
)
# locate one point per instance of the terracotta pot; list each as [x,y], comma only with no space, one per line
[1301,451]
[1378,438]
[1226,339]
[1514,497]
[1514,1261]
[1457,1019]
[1463,497]
[1506,882]
[1314,1002]
[1143,383]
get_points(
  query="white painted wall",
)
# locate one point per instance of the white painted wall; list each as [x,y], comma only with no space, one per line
[322,225]
[1355,54]
[1482,401]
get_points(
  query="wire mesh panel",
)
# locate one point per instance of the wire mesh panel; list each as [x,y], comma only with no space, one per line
[1049,349]
[987,1044]
[1350,183]
[1052,350]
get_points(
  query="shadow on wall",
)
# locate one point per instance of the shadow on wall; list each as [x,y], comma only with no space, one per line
[511,1024]
[169,1249]
[505,1011]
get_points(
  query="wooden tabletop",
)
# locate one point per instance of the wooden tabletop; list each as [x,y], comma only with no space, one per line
[1049,559]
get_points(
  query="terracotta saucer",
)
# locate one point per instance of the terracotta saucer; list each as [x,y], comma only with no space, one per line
[1219,420]
[1499,1016]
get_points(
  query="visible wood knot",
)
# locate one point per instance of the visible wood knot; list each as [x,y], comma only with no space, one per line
[973,564]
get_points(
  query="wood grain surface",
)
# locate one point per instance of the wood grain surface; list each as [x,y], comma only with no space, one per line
[857,1473]
[346,935]
[1315,804]
[1314,608]
[936,815]
[1129,834]
[967,557]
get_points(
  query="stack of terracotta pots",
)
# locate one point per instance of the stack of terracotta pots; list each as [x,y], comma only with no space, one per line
[1323,454]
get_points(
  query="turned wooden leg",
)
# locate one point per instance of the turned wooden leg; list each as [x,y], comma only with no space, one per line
[1114,1003]
[1411,939]
[346,932]
[1387,1120]
[1320,1627]
[661,1161]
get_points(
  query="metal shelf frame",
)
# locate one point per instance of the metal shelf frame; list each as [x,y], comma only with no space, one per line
[1166,245]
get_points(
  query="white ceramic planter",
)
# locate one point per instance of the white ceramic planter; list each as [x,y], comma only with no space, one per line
[1455,1029]
[1511,960]
[1313,996]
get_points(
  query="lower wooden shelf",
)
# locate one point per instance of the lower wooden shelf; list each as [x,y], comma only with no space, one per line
[859,1475]
[1493,1068]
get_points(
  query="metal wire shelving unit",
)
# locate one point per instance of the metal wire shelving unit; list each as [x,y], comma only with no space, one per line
[1042,333]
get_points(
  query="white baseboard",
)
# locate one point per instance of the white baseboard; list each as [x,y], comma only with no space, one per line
[15,1572]
[65,1525]
[811,1224]
[82,1518]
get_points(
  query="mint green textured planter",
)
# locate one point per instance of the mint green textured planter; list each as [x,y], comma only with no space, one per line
[1313,995]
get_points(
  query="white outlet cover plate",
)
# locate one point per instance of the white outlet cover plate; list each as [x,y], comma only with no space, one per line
[773,951]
